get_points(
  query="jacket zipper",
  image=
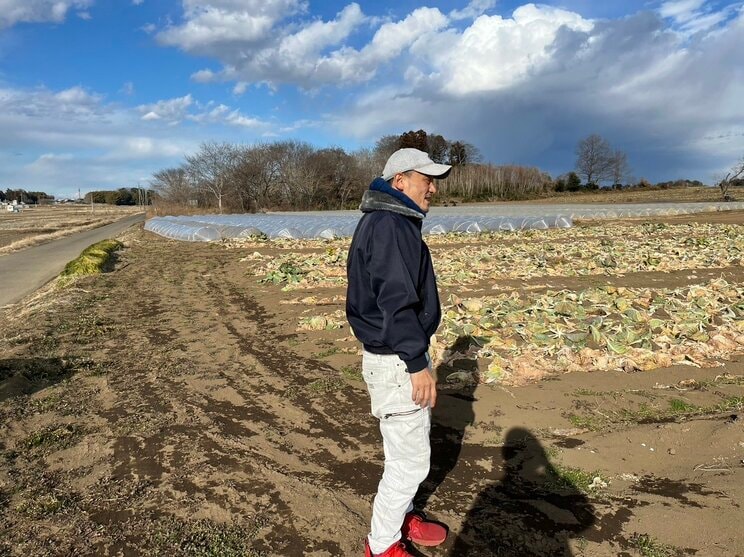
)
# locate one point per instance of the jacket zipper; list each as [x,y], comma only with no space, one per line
[406,413]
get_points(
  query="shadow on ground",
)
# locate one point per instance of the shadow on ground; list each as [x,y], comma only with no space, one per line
[532,511]
[529,509]
[24,376]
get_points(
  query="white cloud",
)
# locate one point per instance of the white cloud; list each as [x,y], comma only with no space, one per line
[260,46]
[62,140]
[235,118]
[494,53]
[37,11]
[681,10]
[204,76]
[693,16]
[318,35]
[171,110]
[474,9]
[240,88]
[219,22]
[526,88]
[77,96]
[53,157]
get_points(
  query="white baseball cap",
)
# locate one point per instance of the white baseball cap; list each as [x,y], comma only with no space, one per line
[407,159]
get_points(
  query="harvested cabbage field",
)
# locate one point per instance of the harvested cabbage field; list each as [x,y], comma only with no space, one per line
[206,398]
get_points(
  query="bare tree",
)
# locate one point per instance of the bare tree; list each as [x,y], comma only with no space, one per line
[384,147]
[173,184]
[619,168]
[257,172]
[461,153]
[593,159]
[296,185]
[211,168]
[733,176]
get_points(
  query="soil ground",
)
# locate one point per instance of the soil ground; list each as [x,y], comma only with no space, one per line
[171,407]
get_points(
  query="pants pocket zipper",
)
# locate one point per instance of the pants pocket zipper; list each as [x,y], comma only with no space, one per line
[406,413]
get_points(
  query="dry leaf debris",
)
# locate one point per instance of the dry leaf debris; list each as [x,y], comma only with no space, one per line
[618,250]
[630,329]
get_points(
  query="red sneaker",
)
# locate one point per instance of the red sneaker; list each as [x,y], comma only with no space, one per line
[395,550]
[421,531]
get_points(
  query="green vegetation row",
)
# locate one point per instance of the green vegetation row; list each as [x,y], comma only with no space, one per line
[92,260]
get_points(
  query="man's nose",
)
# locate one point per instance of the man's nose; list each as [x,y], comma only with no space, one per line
[433,187]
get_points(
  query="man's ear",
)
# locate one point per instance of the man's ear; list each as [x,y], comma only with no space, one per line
[397,182]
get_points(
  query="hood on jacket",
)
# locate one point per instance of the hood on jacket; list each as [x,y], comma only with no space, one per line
[381,196]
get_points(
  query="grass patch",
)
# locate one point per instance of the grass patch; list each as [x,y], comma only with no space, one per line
[567,478]
[677,410]
[679,406]
[49,403]
[352,372]
[203,538]
[325,353]
[51,438]
[319,386]
[732,403]
[587,392]
[650,547]
[91,325]
[42,505]
[592,423]
[92,260]
[325,385]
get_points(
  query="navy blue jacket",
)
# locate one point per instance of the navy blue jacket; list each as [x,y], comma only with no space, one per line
[392,302]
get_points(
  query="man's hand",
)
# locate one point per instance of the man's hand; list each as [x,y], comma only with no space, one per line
[424,388]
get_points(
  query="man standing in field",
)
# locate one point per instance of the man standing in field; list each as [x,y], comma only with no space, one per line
[392,306]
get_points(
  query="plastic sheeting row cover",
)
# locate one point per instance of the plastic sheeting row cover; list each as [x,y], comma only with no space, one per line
[208,228]
[440,220]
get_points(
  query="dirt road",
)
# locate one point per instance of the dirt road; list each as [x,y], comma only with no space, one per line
[24,271]
[171,407]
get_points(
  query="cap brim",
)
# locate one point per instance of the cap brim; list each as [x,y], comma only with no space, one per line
[435,170]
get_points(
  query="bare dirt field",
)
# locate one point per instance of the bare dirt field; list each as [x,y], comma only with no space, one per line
[38,224]
[206,399]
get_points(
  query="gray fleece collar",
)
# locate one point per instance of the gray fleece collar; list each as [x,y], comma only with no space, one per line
[380,201]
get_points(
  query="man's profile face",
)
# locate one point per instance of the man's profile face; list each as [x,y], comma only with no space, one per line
[418,187]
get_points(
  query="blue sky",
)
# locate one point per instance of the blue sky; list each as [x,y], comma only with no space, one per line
[99,94]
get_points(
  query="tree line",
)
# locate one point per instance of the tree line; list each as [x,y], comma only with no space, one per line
[121,196]
[295,175]
[23,196]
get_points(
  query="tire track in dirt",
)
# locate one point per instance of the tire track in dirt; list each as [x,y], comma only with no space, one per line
[228,417]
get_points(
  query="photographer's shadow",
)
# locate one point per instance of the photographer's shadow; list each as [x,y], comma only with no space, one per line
[533,511]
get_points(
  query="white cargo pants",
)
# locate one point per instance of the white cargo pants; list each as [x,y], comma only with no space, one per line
[405,429]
